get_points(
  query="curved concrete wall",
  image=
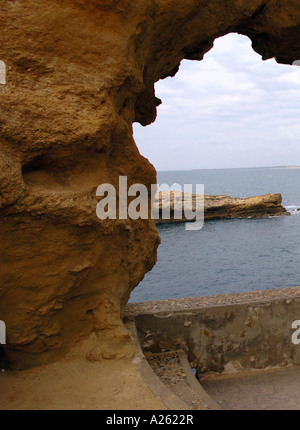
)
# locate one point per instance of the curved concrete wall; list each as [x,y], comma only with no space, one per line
[225,332]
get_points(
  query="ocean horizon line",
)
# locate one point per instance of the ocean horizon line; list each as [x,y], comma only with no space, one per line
[230,168]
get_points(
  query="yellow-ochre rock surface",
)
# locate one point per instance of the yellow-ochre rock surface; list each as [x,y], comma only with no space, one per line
[78,74]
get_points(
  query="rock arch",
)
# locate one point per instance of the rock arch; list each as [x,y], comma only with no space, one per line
[78,74]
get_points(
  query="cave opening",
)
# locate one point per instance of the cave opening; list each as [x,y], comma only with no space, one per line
[229,122]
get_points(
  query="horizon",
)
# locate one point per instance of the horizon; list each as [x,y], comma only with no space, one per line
[232,168]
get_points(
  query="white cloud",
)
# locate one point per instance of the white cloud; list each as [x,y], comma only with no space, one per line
[230,110]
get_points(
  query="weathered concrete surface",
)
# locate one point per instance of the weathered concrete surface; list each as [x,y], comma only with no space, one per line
[216,207]
[79,73]
[73,383]
[273,389]
[225,332]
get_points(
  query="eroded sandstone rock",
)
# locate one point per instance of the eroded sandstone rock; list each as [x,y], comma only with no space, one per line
[79,73]
[216,207]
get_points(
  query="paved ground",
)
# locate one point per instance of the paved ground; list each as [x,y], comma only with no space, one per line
[277,389]
[76,384]
[273,389]
[117,384]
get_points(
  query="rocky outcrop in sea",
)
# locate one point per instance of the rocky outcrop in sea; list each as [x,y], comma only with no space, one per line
[219,207]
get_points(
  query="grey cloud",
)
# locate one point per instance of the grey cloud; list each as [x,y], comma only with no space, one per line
[230,110]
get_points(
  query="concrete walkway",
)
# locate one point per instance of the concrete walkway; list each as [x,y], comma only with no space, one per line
[276,389]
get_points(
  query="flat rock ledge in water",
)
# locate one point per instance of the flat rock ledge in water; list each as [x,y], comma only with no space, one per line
[220,207]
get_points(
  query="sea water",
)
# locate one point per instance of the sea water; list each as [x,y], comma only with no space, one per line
[233,255]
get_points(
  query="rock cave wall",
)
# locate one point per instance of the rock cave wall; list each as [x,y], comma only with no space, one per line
[79,73]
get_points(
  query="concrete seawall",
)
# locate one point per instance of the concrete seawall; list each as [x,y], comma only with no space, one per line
[231,332]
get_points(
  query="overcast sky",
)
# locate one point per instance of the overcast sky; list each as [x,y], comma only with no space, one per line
[230,110]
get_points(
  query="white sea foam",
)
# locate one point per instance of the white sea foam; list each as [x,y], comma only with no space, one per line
[293,209]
